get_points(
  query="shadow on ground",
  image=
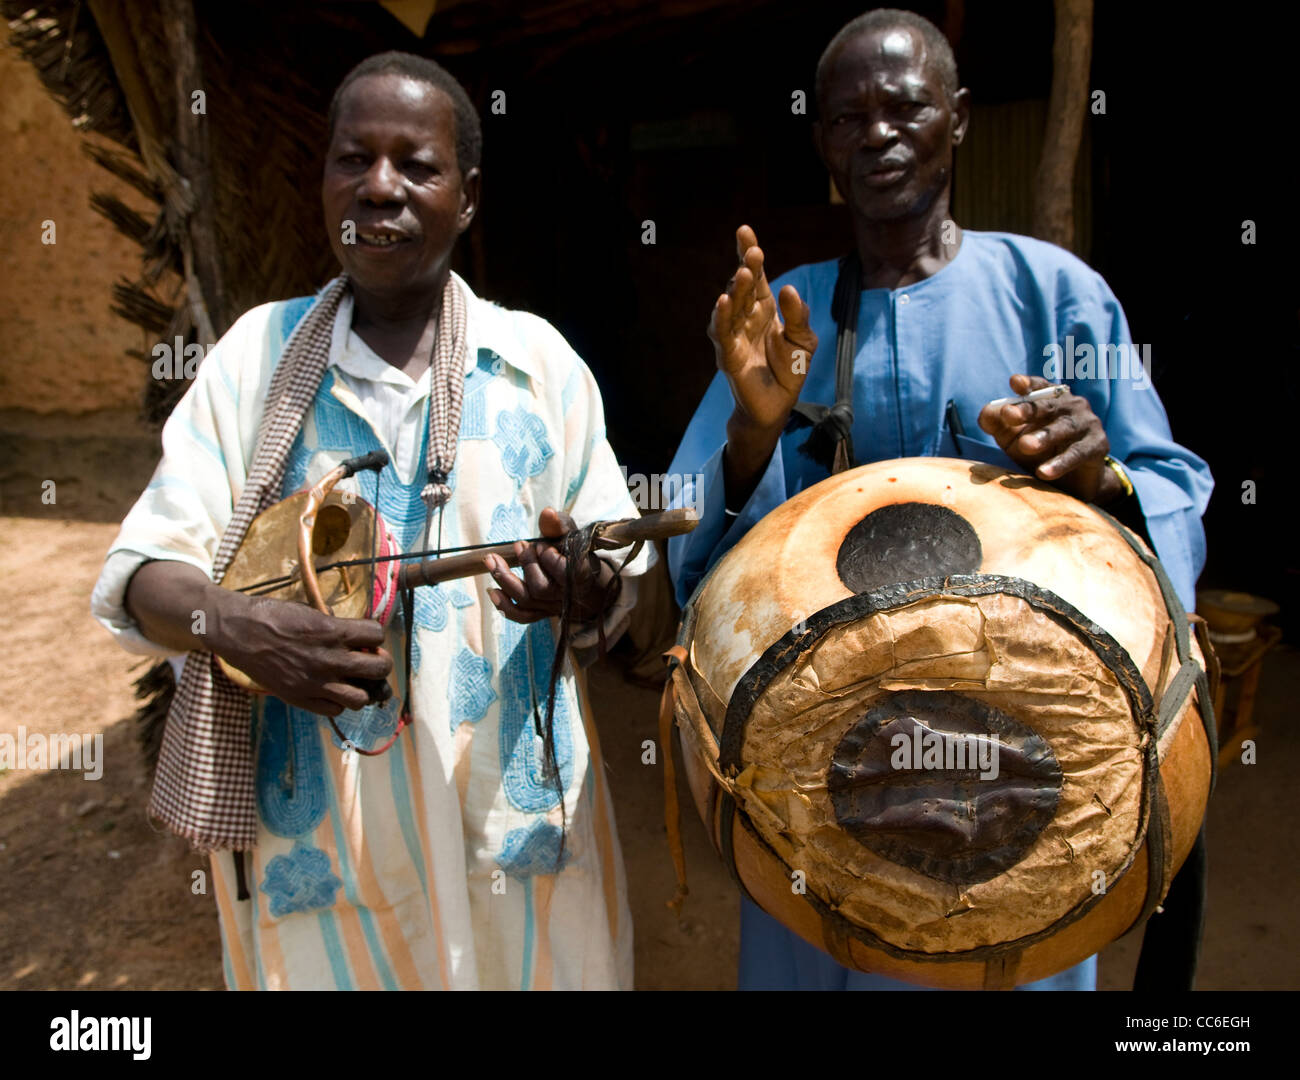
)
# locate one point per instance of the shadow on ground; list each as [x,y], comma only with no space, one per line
[91,896]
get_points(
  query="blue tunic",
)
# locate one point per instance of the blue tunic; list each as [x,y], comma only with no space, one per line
[1004,305]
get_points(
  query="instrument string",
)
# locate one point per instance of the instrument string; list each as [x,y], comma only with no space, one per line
[374,541]
[578,547]
[257,588]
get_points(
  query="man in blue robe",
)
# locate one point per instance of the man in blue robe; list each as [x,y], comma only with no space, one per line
[946,320]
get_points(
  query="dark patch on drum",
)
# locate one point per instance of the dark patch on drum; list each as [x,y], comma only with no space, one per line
[917,781]
[1056,532]
[906,541]
[981,474]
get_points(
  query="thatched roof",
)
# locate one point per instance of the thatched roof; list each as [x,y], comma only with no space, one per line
[238,214]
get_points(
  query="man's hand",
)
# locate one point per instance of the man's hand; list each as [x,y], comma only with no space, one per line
[304,658]
[540,595]
[297,654]
[764,359]
[1059,440]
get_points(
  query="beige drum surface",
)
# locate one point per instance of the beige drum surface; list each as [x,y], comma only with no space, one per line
[784,568]
[962,767]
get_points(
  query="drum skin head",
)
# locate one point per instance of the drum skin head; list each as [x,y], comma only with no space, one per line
[906,541]
[945,784]
[787,566]
[959,765]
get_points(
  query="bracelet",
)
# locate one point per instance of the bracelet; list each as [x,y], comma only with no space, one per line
[1118,470]
[731,513]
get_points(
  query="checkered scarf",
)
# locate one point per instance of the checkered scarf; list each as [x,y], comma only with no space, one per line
[204,786]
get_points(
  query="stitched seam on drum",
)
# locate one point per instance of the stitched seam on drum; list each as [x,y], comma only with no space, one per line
[786,650]
[1159,855]
[783,652]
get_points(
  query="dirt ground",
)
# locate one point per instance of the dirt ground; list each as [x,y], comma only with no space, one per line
[91,896]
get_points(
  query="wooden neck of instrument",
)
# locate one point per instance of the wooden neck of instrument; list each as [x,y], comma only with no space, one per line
[616,534]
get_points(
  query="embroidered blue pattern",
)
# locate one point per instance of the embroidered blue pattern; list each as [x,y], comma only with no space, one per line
[300,881]
[526,786]
[521,438]
[473,410]
[431,603]
[291,795]
[291,315]
[291,771]
[431,613]
[337,425]
[369,727]
[471,688]
[533,850]
[508,523]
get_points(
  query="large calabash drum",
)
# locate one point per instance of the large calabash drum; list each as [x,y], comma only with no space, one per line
[944,722]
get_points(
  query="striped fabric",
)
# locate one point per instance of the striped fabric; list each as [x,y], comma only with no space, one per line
[203,788]
[433,865]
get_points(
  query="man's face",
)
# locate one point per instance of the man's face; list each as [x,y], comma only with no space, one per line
[887,129]
[391,170]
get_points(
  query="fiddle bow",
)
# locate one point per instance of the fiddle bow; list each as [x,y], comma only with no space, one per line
[343,560]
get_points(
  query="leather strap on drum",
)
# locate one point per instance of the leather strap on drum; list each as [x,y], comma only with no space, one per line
[1160,853]
[679,690]
[1190,673]
[1212,671]
[1168,706]
[1000,972]
[672,811]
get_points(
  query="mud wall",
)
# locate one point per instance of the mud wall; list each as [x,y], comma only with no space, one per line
[68,391]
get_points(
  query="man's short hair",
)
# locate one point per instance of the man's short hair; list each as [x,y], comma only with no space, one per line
[938,51]
[469,132]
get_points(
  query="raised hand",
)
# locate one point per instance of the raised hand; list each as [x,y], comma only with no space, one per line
[764,358]
[765,361]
